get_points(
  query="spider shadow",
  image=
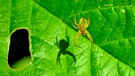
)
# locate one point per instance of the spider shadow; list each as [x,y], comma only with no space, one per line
[63,45]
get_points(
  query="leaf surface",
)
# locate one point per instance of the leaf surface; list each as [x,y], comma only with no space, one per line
[111,26]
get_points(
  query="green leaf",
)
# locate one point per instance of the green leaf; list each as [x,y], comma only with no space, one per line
[112,26]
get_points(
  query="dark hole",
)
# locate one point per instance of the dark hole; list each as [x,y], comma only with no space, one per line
[19,46]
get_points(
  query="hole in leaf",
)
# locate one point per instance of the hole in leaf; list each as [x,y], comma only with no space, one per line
[19,54]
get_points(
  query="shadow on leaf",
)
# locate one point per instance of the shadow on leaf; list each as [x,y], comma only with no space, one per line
[63,45]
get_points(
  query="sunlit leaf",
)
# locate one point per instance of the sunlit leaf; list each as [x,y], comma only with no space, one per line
[112,26]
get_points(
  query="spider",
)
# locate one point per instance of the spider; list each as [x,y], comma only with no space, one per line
[63,45]
[82,25]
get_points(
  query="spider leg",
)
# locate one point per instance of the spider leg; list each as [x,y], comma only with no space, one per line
[76,25]
[69,53]
[76,38]
[88,21]
[89,37]
[56,43]
[75,21]
[67,39]
[57,40]
[58,58]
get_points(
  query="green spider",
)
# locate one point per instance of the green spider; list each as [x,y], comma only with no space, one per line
[82,25]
